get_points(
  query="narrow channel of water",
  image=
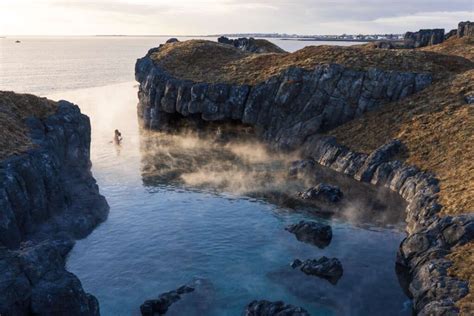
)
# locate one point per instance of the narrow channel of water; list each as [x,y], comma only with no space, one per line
[178,213]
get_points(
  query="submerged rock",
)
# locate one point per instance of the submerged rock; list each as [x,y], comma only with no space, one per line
[164,301]
[279,308]
[312,232]
[327,191]
[326,268]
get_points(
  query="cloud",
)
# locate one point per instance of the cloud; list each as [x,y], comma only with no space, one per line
[228,16]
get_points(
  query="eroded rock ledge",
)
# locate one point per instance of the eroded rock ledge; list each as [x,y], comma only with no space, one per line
[289,110]
[286,108]
[48,198]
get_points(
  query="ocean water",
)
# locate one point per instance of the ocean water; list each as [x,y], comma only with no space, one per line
[184,207]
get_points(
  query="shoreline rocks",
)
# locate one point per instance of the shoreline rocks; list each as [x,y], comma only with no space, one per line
[328,192]
[326,268]
[278,308]
[48,198]
[291,109]
[314,233]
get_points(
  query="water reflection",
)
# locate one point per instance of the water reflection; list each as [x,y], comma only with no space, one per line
[175,216]
[229,159]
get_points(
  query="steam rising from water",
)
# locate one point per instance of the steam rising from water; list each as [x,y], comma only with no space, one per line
[242,165]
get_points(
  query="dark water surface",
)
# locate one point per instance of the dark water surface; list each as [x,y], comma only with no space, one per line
[180,210]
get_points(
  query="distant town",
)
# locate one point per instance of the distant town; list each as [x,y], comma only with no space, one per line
[343,37]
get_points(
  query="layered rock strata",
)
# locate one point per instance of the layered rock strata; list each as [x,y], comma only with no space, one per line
[48,198]
[285,109]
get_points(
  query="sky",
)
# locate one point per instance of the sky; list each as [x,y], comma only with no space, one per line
[201,17]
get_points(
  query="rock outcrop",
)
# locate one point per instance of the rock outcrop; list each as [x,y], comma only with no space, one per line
[326,191]
[422,38]
[251,44]
[465,29]
[326,268]
[195,297]
[312,232]
[289,110]
[285,109]
[48,198]
[278,308]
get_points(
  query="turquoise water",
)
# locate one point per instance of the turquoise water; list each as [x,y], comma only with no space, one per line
[178,213]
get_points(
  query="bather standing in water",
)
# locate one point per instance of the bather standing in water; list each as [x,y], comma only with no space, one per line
[117,137]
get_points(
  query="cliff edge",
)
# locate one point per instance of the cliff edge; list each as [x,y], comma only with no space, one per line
[48,198]
[303,99]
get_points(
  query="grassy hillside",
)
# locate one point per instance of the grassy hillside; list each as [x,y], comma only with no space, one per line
[14,109]
[206,61]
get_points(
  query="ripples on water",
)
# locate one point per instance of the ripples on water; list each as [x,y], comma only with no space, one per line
[184,207]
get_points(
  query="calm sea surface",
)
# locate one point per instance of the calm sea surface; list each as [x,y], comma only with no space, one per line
[183,207]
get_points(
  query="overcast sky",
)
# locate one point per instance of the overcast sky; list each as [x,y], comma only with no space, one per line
[182,17]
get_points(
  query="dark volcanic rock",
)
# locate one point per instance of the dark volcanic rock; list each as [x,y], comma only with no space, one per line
[301,167]
[172,40]
[296,263]
[465,29]
[425,37]
[48,198]
[326,268]
[200,288]
[329,192]
[452,33]
[469,98]
[285,110]
[312,232]
[251,45]
[279,308]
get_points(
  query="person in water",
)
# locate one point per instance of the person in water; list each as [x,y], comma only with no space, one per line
[117,137]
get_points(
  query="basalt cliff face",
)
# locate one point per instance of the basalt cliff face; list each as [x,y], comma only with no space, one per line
[286,108]
[290,110]
[48,198]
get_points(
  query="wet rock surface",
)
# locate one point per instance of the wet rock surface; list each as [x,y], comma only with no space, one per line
[48,198]
[326,268]
[312,232]
[194,298]
[329,192]
[278,308]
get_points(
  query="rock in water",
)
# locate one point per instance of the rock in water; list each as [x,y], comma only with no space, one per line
[160,306]
[312,232]
[279,308]
[296,263]
[326,268]
[198,303]
[329,192]
[301,166]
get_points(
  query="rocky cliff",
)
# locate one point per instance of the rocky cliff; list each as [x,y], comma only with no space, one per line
[251,44]
[426,37]
[286,108]
[291,108]
[48,198]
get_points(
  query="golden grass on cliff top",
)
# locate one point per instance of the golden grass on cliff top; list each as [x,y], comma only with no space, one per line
[206,61]
[14,109]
